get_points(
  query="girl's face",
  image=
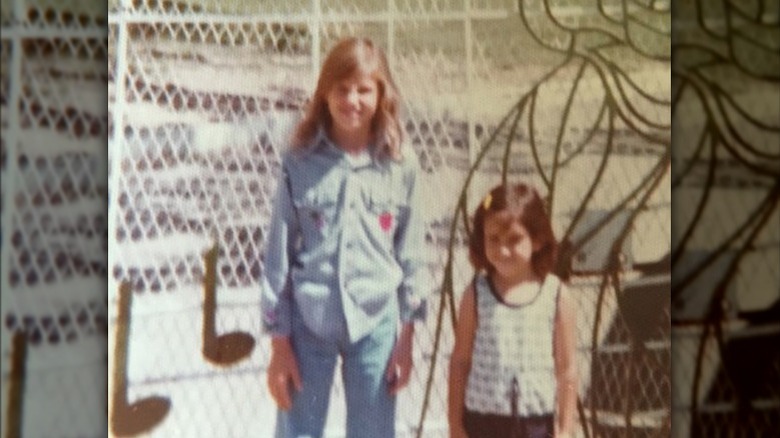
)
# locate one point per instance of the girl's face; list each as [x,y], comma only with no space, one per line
[352,103]
[508,245]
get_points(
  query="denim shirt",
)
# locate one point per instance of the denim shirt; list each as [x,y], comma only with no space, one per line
[347,232]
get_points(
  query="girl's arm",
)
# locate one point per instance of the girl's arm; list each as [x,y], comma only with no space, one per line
[411,251]
[276,299]
[275,296]
[283,372]
[411,255]
[399,369]
[460,362]
[565,364]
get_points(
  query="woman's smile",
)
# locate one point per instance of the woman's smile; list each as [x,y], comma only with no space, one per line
[353,103]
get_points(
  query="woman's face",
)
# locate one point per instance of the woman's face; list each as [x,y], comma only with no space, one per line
[352,103]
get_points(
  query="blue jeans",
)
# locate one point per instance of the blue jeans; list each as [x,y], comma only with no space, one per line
[370,407]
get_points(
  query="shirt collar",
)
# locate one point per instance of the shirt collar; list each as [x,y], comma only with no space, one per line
[366,158]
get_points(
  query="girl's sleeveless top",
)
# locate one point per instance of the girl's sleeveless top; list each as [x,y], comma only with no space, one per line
[513,353]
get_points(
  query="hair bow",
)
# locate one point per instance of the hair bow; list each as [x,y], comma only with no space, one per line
[488,200]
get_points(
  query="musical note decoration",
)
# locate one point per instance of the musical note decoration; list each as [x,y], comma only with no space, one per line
[130,419]
[224,349]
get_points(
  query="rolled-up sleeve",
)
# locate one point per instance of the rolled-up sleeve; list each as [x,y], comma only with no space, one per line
[411,251]
[276,296]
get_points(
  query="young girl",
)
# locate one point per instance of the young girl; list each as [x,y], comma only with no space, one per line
[344,260]
[514,341]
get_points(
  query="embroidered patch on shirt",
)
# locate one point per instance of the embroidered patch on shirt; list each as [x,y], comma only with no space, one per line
[319,220]
[386,221]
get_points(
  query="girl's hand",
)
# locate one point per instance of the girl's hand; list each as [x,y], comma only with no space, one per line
[564,434]
[399,368]
[458,432]
[282,371]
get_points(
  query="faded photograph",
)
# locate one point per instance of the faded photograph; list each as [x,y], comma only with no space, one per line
[205,99]
[572,98]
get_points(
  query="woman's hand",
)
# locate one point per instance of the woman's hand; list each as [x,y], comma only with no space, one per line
[283,370]
[399,368]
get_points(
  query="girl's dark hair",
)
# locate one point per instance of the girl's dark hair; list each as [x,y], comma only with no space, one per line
[528,208]
[347,57]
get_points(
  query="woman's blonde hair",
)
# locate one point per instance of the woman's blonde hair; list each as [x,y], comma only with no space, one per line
[350,56]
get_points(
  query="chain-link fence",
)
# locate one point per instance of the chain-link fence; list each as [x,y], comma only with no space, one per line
[54,188]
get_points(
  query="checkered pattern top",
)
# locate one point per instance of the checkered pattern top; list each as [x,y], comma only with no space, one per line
[513,343]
